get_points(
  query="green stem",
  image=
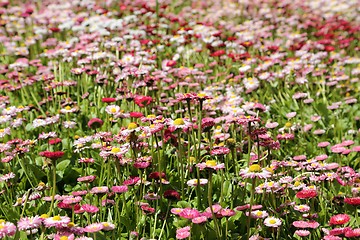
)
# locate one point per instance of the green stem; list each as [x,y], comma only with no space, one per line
[251,205]
[218,233]
[163,226]
[53,188]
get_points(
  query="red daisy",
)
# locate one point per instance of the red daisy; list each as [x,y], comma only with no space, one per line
[171,194]
[339,219]
[52,155]
[108,100]
[353,233]
[306,194]
[353,201]
[95,123]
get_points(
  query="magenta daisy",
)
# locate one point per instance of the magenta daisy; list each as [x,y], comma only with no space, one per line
[119,189]
[89,208]
[189,213]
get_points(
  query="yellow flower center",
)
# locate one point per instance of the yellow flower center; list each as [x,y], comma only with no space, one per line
[115,150]
[113,110]
[259,213]
[255,168]
[2,130]
[44,216]
[272,221]
[297,183]
[64,238]
[179,122]
[288,124]
[56,218]
[71,224]
[211,163]
[67,107]
[132,126]
[151,116]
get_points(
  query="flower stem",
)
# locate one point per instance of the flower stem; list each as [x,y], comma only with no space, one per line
[218,233]
[53,188]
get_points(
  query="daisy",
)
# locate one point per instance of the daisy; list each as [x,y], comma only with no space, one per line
[355,201]
[255,171]
[99,190]
[7,229]
[306,194]
[112,109]
[171,194]
[189,213]
[56,221]
[211,164]
[69,124]
[339,219]
[302,233]
[108,226]
[272,222]
[7,177]
[179,123]
[199,220]
[183,233]
[302,208]
[72,200]
[86,179]
[251,83]
[306,224]
[195,182]
[64,236]
[89,208]
[27,223]
[352,233]
[95,227]
[258,214]
[119,189]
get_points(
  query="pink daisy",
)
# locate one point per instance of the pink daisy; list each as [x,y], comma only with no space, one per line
[56,221]
[302,233]
[189,213]
[26,223]
[95,227]
[90,208]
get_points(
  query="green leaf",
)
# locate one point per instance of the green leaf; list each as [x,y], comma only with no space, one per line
[29,127]
[183,204]
[62,165]
[37,171]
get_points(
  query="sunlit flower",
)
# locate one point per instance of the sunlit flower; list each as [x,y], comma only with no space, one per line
[272,222]
[56,221]
[94,227]
[255,171]
[210,164]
